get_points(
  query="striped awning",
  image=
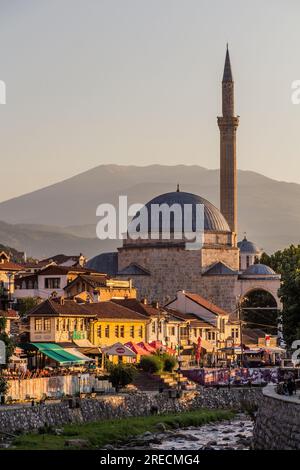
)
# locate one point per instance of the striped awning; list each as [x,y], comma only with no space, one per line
[58,354]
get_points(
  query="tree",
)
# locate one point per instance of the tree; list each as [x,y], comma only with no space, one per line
[3,387]
[121,374]
[169,362]
[9,343]
[26,304]
[152,364]
[287,263]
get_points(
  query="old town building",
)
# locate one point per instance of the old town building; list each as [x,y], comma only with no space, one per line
[98,287]
[58,321]
[8,271]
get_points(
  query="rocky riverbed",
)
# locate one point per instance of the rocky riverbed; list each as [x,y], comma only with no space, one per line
[235,434]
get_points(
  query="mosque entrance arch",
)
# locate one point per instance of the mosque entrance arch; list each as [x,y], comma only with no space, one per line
[260,310]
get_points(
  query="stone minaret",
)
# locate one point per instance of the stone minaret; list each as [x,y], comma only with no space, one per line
[228,124]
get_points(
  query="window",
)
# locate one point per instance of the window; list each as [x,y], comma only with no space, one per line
[107,331]
[99,331]
[172,330]
[248,261]
[153,327]
[132,331]
[222,325]
[47,324]
[184,332]
[234,333]
[117,331]
[122,331]
[160,326]
[38,326]
[211,335]
[52,283]
[141,331]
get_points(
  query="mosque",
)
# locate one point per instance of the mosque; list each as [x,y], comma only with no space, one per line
[222,270]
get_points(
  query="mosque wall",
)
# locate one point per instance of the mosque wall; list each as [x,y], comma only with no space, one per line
[174,269]
[228,256]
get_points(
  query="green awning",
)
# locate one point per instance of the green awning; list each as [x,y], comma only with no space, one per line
[58,354]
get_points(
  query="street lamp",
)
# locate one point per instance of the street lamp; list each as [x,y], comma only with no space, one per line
[79,383]
[240,311]
[179,360]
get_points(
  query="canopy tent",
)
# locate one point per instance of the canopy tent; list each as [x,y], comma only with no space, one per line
[86,347]
[78,354]
[147,347]
[119,349]
[141,351]
[274,350]
[170,350]
[157,345]
[253,351]
[58,354]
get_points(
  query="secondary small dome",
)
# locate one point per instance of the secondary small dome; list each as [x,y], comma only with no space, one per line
[259,270]
[246,246]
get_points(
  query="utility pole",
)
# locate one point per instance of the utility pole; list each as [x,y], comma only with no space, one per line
[240,311]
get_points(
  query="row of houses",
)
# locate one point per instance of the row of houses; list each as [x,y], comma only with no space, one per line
[47,278]
[78,307]
[183,321]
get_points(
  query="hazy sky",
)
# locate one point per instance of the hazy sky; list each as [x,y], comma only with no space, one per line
[138,82]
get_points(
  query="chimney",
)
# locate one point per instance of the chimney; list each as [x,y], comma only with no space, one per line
[62,301]
[145,301]
[155,304]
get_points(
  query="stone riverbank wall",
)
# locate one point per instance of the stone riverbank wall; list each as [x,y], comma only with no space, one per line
[54,387]
[277,425]
[26,418]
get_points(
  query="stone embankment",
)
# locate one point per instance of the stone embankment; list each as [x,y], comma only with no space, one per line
[277,425]
[26,418]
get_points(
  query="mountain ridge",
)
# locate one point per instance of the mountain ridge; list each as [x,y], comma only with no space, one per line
[269,210]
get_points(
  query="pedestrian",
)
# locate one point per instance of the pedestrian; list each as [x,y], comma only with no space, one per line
[290,386]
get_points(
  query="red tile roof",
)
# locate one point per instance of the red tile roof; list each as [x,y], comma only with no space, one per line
[10,266]
[94,280]
[192,318]
[53,307]
[10,314]
[198,299]
[140,307]
[54,270]
[113,310]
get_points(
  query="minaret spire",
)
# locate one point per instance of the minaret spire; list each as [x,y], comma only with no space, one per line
[228,124]
[227,75]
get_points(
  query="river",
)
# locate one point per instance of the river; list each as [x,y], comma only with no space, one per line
[234,434]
